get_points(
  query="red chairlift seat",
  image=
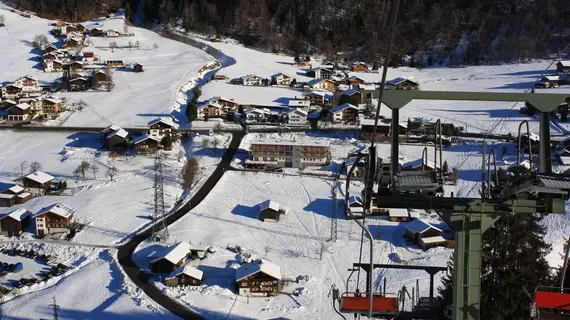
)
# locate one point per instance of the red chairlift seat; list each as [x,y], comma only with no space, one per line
[552,300]
[359,304]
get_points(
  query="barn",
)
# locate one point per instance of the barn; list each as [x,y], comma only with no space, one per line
[171,259]
[14,223]
[398,215]
[423,234]
[184,276]
[269,211]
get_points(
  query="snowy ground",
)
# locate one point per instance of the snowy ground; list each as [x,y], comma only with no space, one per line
[293,243]
[251,95]
[97,290]
[112,209]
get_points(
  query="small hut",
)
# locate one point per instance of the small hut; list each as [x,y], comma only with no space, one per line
[269,211]
[184,276]
[137,67]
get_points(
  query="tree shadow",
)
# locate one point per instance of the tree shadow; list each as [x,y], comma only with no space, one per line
[324,207]
[85,140]
[516,85]
[534,73]
[245,211]
[283,100]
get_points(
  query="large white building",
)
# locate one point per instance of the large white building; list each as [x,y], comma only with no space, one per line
[297,117]
[289,153]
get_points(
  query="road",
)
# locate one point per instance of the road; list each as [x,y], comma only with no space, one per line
[126,250]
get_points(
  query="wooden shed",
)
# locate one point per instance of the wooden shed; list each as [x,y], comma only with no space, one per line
[137,67]
[424,234]
[269,211]
[184,276]
[15,222]
[171,258]
[398,215]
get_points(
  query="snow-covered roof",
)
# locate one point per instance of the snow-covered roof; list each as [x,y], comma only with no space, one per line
[524,163]
[120,133]
[565,63]
[16,189]
[144,138]
[24,195]
[258,110]
[212,104]
[300,111]
[551,78]
[268,268]
[392,212]
[10,102]
[314,82]
[419,226]
[354,200]
[57,208]
[22,106]
[166,121]
[175,253]
[533,136]
[399,80]
[435,239]
[6,196]
[40,177]
[280,74]
[355,77]
[187,270]
[18,214]
[269,204]
[342,107]
[349,92]
[301,142]
[299,103]
[366,86]
[112,127]
[53,100]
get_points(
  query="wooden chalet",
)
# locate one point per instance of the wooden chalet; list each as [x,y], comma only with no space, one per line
[53,219]
[118,139]
[318,98]
[398,215]
[424,234]
[37,183]
[184,276]
[354,80]
[403,84]
[53,65]
[99,76]
[52,105]
[78,84]
[7,200]
[96,32]
[269,211]
[320,73]
[110,129]
[563,67]
[89,56]
[302,61]
[72,43]
[351,96]
[19,112]
[115,64]
[227,103]
[552,81]
[281,79]
[137,67]
[162,127]
[51,48]
[260,278]
[210,110]
[171,259]
[220,77]
[11,91]
[359,67]
[14,223]
[324,84]
[346,113]
[146,144]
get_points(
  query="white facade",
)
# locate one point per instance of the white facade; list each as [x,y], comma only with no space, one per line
[297,118]
[28,84]
[252,81]
[281,79]
[52,66]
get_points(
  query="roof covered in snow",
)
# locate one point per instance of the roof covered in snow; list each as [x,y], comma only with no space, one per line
[110,128]
[166,121]
[175,253]
[392,212]
[187,270]
[400,80]
[565,63]
[435,239]
[300,142]
[299,111]
[420,226]
[57,208]
[40,177]
[120,133]
[269,204]
[342,107]
[144,138]
[22,106]
[18,214]
[264,266]
[299,103]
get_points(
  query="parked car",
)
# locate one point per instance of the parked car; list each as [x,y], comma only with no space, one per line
[11,267]
[18,267]
[18,284]
[34,280]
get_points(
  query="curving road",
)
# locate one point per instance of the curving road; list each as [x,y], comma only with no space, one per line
[126,250]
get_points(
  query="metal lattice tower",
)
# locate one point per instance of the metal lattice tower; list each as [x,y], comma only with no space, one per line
[55,309]
[159,227]
[334,221]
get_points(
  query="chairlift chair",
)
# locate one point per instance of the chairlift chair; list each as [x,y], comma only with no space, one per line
[551,303]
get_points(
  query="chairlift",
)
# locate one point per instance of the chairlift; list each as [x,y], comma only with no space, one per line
[551,303]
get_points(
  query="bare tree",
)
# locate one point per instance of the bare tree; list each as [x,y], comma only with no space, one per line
[155,46]
[137,44]
[23,168]
[205,143]
[81,105]
[215,144]
[218,128]
[113,45]
[94,170]
[82,169]
[35,166]
[111,172]
[130,45]
[189,173]
[2,20]
[180,155]
[40,42]
[110,80]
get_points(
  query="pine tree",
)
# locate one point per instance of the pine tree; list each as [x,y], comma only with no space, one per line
[446,292]
[513,257]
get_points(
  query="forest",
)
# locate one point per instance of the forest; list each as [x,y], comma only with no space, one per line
[453,32]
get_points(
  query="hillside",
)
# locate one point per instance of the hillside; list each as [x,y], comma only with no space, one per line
[442,31]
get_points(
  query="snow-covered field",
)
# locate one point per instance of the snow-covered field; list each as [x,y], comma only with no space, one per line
[115,209]
[97,290]
[229,216]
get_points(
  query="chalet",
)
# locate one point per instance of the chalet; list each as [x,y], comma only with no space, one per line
[70,29]
[302,61]
[281,79]
[76,65]
[359,67]
[110,129]
[51,105]
[252,80]
[172,258]
[96,32]
[237,81]
[346,113]
[80,28]
[51,48]
[297,117]
[227,104]
[350,96]
[7,104]
[383,131]
[89,56]
[302,104]
[28,84]
[115,64]
[75,36]
[162,127]
[184,276]
[137,67]
[220,77]
[324,84]
[49,56]
[37,183]
[320,73]
[424,234]
[318,98]
[398,215]
[563,67]
[112,33]
[146,144]
[53,219]
[354,80]
[210,110]
[21,196]
[78,84]
[11,91]
[35,104]
[99,76]
[72,43]
[117,139]
[269,211]
[257,115]
[302,153]
[53,65]
[259,278]
[19,112]
[548,82]
[402,84]
[14,223]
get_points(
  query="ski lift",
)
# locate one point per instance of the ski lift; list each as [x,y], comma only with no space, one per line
[381,306]
[551,303]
